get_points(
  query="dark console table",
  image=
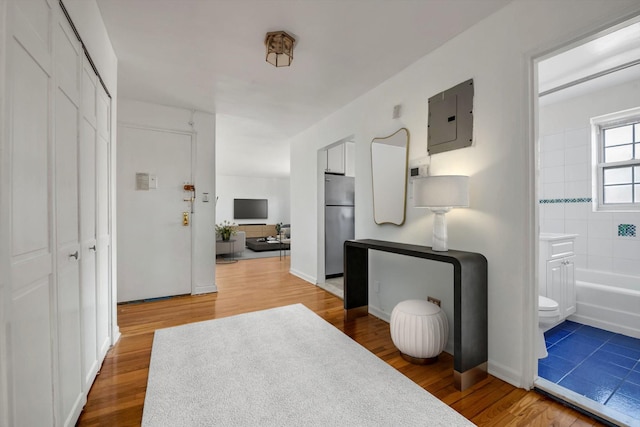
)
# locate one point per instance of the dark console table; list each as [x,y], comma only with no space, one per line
[469,293]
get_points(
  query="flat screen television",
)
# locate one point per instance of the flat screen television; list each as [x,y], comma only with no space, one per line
[250,208]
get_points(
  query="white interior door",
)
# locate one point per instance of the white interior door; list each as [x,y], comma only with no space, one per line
[154,250]
[103,240]
[67,105]
[88,248]
[28,209]
[54,151]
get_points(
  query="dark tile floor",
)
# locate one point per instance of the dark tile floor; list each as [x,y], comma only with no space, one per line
[601,365]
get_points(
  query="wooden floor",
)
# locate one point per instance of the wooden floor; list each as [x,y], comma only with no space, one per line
[117,396]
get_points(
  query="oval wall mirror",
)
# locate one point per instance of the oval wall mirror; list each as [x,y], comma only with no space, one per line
[389,173]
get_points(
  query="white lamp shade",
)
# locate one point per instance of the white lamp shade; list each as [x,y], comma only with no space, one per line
[443,191]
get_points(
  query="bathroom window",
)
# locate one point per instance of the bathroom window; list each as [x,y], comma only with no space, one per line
[617,144]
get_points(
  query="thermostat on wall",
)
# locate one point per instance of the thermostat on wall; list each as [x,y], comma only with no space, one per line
[419,167]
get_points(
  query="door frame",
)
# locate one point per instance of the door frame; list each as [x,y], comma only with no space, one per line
[320,162]
[530,362]
[193,137]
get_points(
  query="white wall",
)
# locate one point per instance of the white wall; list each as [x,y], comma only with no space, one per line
[566,173]
[499,224]
[162,117]
[275,190]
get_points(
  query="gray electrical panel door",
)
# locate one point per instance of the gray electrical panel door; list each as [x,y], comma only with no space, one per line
[451,119]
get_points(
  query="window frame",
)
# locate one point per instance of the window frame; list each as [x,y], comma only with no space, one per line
[598,126]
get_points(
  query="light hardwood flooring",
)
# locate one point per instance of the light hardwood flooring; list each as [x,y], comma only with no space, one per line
[117,396]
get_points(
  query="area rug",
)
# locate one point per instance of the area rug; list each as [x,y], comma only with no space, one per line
[279,367]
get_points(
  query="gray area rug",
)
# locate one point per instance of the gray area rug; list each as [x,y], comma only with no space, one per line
[279,367]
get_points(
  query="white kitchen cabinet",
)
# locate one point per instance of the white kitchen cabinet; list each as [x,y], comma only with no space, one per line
[335,159]
[557,270]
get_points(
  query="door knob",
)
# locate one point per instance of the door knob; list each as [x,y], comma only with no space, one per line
[185,218]
[74,255]
[93,248]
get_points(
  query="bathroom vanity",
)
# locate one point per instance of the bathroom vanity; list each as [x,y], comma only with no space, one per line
[557,270]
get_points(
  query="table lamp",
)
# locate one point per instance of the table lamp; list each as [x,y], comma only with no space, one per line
[440,194]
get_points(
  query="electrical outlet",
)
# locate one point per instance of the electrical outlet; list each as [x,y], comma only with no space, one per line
[434,300]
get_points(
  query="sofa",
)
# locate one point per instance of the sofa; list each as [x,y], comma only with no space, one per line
[257,230]
[223,248]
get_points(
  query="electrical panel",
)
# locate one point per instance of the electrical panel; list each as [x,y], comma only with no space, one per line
[451,119]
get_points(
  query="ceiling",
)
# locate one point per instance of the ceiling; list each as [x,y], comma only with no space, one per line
[209,55]
[596,64]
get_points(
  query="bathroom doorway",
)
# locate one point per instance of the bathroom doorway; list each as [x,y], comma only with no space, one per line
[588,141]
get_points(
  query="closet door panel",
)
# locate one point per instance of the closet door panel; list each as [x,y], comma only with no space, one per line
[29,312]
[30,365]
[102,222]
[70,396]
[88,225]
[30,149]
[31,29]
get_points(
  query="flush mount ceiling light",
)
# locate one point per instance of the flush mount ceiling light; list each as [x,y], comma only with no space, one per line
[279,48]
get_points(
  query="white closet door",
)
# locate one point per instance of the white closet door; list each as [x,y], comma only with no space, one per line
[29,318]
[88,224]
[70,397]
[102,222]
[54,150]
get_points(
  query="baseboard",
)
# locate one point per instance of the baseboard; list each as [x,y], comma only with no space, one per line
[78,406]
[603,324]
[303,276]
[497,370]
[115,336]
[505,374]
[375,311]
[207,289]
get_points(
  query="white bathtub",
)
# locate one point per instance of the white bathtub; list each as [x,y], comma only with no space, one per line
[608,301]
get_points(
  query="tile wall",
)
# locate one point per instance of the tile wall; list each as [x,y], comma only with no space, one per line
[607,241]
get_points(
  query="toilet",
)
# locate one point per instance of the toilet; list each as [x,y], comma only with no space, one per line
[548,317]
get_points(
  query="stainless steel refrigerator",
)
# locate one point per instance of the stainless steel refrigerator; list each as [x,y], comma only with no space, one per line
[339,220]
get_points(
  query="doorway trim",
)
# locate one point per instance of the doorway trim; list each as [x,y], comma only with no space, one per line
[530,324]
[320,268]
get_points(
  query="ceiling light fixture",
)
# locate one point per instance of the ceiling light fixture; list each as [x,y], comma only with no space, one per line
[279,48]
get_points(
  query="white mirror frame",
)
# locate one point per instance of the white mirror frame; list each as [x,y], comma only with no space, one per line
[389,157]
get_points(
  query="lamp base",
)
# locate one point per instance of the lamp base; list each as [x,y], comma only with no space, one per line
[440,238]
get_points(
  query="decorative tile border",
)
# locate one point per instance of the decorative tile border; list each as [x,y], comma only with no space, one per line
[577,200]
[626,230]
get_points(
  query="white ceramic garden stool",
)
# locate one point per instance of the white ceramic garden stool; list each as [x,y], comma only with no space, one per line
[419,329]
